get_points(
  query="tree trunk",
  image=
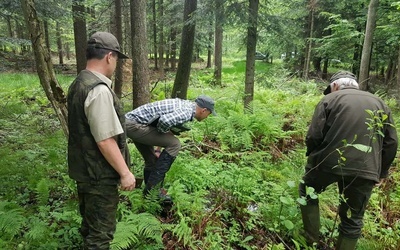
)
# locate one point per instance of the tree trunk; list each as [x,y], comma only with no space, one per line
[389,71]
[154,9]
[209,50]
[309,40]
[59,44]
[161,40]
[181,83]
[250,57]
[80,36]
[398,73]
[325,69]
[173,47]
[118,34]
[219,12]
[46,35]
[366,52]
[140,68]
[44,66]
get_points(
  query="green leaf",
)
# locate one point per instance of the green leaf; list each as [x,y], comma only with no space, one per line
[288,224]
[291,184]
[302,201]
[361,147]
[248,238]
[285,200]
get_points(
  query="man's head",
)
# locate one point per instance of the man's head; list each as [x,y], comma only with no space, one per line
[102,53]
[204,107]
[104,42]
[341,80]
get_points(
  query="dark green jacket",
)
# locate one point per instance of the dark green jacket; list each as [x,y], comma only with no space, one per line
[85,161]
[341,118]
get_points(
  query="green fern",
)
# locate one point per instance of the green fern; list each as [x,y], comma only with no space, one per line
[43,191]
[138,229]
[11,220]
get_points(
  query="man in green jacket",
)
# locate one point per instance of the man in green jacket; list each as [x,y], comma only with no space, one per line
[97,150]
[351,141]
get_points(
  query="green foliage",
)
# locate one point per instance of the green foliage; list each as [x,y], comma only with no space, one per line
[234,183]
[139,231]
[12,220]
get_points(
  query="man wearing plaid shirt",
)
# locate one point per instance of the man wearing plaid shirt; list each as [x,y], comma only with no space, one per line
[156,124]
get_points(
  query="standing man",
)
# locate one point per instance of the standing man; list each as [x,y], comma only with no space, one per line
[154,124]
[342,119]
[97,150]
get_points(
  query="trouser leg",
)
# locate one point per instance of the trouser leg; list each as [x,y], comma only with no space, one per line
[98,207]
[150,159]
[356,193]
[162,166]
[145,138]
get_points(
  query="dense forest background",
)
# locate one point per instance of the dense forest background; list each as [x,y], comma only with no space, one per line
[235,182]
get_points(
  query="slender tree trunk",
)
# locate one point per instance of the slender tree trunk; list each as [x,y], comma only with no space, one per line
[80,36]
[250,57]
[140,68]
[44,66]
[59,44]
[173,47]
[325,69]
[154,9]
[181,83]
[118,34]
[366,52]
[9,26]
[389,70]
[309,40]
[209,50]
[161,40]
[46,35]
[398,73]
[219,12]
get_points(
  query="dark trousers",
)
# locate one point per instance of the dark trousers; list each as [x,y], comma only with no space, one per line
[98,208]
[145,137]
[356,192]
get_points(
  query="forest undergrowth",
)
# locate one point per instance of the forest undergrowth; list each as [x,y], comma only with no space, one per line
[234,183]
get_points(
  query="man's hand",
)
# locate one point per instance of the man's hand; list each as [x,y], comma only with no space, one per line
[128,182]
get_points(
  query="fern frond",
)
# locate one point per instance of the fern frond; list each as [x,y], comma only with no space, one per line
[11,220]
[136,229]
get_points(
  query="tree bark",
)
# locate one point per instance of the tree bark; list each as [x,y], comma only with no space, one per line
[140,68]
[59,44]
[80,36]
[219,12]
[306,69]
[181,83]
[161,40]
[154,9]
[44,66]
[366,51]
[250,57]
[118,34]
[398,73]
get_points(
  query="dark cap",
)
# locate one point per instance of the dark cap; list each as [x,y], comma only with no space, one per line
[105,40]
[336,76]
[207,102]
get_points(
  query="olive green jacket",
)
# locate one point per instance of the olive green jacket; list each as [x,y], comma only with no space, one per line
[344,139]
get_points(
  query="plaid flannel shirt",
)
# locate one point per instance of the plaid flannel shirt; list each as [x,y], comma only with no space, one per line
[169,112]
